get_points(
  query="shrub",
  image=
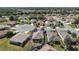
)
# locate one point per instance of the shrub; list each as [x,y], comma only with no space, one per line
[69,32]
[9,34]
[0,15]
[74,35]
[62,46]
[77,39]
[11,18]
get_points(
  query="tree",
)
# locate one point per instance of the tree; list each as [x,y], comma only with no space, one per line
[68,40]
[9,34]
[0,15]
[72,48]
[74,35]
[28,19]
[69,32]
[19,20]
[11,18]
[77,39]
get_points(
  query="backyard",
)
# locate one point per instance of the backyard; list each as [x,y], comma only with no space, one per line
[6,46]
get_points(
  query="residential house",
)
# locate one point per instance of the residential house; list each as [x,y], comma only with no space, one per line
[41,23]
[4,27]
[65,36]
[2,19]
[20,39]
[47,47]
[23,18]
[3,33]
[62,33]
[38,37]
[48,23]
[49,18]
[33,21]
[14,17]
[25,27]
[32,17]
[51,36]
[12,23]
[77,25]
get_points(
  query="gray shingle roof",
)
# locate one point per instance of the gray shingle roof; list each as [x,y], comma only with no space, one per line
[62,33]
[25,27]
[47,47]
[2,27]
[21,37]
[3,33]
[2,19]
[38,35]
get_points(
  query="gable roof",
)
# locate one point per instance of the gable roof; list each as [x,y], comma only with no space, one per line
[20,37]
[49,35]
[49,18]
[3,33]
[12,23]
[47,47]
[2,27]
[2,19]
[25,27]
[38,35]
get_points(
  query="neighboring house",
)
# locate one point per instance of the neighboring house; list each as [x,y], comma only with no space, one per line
[33,21]
[33,17]
[48,23]
[49,29]
[23,18]
[51,36]
[40,22]
[3,33]
[25,27]
[61,33]
[77,25]
[65,36]
[20,39]
[4,27]
[70,21]
[41,28]
[2,19]
[49,18]
[76,22]
[12,23]
[15,17]
[47,47]
[38,37]
[77,29]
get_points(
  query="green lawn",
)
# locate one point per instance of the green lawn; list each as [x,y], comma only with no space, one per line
[72,25]
[58,48]
[3,23]
[6,46]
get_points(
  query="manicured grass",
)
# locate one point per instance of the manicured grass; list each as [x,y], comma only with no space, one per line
[72,25]
[6,46]
[58,48]
[3,23]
